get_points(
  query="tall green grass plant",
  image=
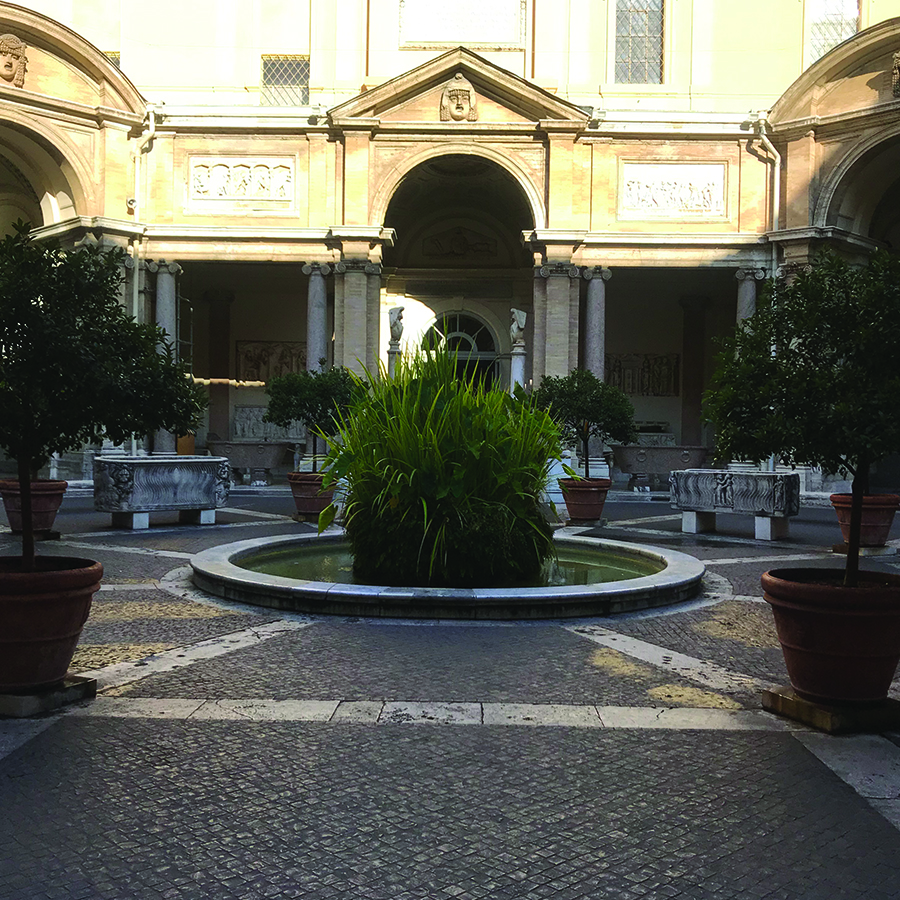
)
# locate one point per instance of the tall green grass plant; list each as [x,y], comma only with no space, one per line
[443,479]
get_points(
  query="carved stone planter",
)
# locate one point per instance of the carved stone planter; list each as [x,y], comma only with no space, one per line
[131,487]
[260,457]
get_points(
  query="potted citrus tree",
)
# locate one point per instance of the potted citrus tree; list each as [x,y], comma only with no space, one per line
[813,377]
[315,399]
[586,407]
[74,369]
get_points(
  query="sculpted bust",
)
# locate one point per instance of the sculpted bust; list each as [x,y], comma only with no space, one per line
[395,315]
[517,325]
[13,60]
[458,101]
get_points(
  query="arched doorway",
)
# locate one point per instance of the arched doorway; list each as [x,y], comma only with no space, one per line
[471,340]
[459,263]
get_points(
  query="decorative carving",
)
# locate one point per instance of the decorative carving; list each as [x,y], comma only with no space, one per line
[518,318]
[672,190]
[395,316]
[317,268]
[459,241]
[242,180]
[249,426]
[755,274]
[13,61]
[458,101]
[591,272]
[146,483]
[644,374]
[895,75]
[265,360]
[754,493]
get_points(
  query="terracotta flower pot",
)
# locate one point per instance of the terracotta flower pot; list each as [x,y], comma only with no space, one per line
[584,497]
[309,497]
[841,645]
[41,617]
[877,517]
[46,497]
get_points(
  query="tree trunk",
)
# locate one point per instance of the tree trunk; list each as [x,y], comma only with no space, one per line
[859,490]
[27,517]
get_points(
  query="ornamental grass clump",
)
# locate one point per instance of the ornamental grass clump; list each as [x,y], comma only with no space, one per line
[443,479]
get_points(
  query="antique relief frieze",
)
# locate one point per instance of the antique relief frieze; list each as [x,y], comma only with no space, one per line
[657,190]
[217,184]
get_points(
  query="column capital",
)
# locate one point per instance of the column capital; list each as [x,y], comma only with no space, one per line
[319,268]
[758,274]
[560,269]
[160,265]
[373,268]
[596,272]
[352,265]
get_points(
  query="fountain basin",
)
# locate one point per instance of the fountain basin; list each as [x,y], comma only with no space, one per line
[217,571]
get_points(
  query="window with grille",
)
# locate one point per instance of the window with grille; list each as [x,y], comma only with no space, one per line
[828,23]
[285,80]
[114,57]
[639,41]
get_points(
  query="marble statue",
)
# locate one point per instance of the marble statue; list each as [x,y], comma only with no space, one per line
[517,325]
[395,314]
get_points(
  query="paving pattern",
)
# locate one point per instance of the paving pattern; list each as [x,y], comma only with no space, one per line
[235,752]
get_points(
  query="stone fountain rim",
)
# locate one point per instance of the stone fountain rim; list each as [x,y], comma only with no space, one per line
[214,571]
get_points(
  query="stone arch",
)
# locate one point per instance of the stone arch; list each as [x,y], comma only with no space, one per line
[393,180]
[54,169]
[856,187]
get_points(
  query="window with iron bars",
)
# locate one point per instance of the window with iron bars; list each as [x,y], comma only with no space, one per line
[639,41]
[115,57]
[285,80]
[828,23]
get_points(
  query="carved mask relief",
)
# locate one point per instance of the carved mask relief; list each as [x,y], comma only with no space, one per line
[13,60]
[458,101]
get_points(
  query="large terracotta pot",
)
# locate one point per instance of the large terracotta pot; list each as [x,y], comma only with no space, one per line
[841,645]
[877,517]
[41,617]
[46,497]
[584,497]
[309,497]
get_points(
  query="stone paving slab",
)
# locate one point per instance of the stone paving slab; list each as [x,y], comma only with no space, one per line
[137,809]
[365,661]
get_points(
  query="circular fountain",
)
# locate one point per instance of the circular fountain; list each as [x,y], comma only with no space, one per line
[591,576]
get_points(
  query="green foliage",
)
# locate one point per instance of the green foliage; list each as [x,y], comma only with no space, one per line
[315,399]
[585,406]
[74,366]
[443,479]
[814,375]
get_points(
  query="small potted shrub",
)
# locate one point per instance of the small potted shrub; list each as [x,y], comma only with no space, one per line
[74,369]
[586,407]
[314,399]
[444,478]
[813,377]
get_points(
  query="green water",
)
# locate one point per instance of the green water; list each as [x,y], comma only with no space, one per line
[334,563]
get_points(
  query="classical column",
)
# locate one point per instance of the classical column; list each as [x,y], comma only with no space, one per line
[517,357]
[539,327]
[693,344]
[316,316]
[595,321]
[746,298]
[560,320]
[353,341]
[373,314]
[167,318]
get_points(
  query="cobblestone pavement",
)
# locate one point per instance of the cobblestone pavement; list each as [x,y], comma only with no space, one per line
[236,752]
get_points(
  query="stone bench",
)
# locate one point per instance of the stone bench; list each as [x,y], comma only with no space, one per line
[770,497]
[131,487]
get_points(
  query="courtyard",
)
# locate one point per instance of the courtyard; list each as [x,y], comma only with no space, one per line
[237,752]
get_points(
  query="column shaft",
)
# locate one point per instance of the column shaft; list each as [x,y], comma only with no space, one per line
[316,316]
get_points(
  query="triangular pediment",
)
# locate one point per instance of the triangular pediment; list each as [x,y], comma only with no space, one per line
[416,96]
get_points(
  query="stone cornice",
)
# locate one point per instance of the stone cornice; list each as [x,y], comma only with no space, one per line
[851,121]
[59,109]
[823,233]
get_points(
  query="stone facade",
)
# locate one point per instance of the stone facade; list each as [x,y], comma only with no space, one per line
[455,166]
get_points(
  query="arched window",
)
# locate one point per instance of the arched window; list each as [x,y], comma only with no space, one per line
[470,339]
